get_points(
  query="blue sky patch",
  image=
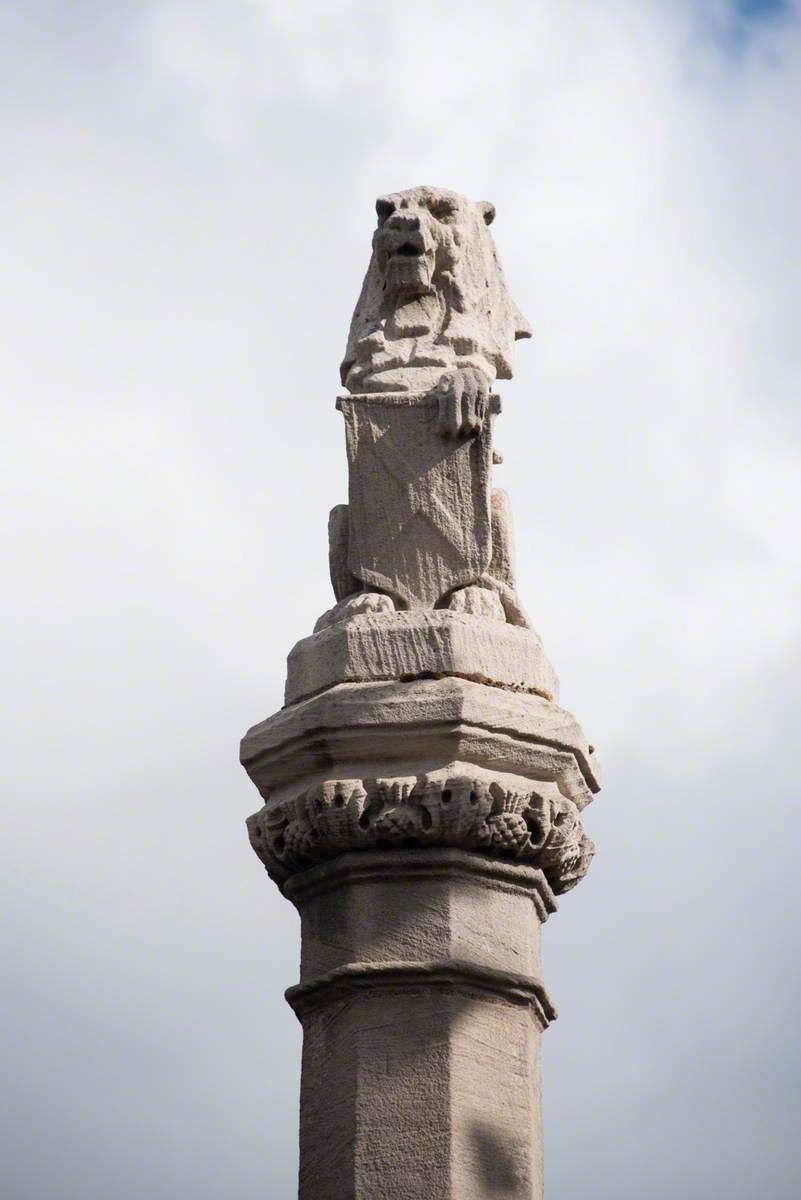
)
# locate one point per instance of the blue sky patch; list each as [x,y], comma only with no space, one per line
[735,26]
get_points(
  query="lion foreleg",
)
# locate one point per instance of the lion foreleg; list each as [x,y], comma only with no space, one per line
[463,396]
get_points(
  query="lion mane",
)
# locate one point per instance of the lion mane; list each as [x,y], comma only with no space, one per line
[434,298]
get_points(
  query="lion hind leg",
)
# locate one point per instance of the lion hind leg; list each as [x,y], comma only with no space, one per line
[502,562]
[342,581]
[352,597]
[500,575]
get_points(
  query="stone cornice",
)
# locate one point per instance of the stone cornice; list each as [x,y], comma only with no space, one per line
[445,720]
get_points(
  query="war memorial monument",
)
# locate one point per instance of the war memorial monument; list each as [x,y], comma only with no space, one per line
[422,787]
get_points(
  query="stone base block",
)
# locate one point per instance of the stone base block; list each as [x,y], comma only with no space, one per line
[414,645]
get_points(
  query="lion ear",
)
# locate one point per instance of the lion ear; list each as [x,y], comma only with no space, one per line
[522,327]
[487,210]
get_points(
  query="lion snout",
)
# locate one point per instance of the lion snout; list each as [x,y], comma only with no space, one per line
[407,239]
[403,221]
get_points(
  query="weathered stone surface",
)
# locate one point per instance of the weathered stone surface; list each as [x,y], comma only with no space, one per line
[434,304]
[386,645]
[433,327]
[419,505]
[459,899]
[477,601]
[378,730]
[343,583]
[422,1009]
[498,813]
[422,789]
[425,763]
[431,569]
[355,605]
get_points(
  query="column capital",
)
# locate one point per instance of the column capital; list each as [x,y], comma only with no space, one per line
[423,763]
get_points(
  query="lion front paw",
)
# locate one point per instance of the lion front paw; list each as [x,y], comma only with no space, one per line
[362,603]
[463,397]
[477,602]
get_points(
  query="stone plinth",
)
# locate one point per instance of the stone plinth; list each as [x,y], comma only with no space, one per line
[416,645]
[422,1009]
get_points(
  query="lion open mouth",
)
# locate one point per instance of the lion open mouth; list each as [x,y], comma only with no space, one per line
[407,250]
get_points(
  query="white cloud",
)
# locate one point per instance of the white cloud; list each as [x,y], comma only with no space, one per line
[645,186]
[184,238]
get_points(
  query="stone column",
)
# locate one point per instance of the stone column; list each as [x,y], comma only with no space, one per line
[422,1010]
[421,828]
[422,787]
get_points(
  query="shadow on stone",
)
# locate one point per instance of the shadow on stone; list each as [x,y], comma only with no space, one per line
[498,1162]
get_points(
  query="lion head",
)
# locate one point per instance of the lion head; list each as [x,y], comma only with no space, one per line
[434,297]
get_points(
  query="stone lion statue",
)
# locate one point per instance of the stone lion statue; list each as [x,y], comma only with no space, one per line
[434,310]
[434,318]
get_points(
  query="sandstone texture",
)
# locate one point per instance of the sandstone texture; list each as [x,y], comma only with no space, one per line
[419,504]
[434,301]
[442,762]
[421,723]
[413,645]
[422,1009]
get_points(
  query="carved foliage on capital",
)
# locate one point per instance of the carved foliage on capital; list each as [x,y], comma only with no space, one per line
[337,816]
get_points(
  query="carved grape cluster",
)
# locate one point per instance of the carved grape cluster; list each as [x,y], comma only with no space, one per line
[340,815]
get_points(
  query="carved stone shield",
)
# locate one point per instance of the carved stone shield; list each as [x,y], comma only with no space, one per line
[419,503]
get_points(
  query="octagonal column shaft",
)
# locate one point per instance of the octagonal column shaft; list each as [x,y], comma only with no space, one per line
[422,1010]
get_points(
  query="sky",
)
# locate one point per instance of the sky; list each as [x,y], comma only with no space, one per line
[187,206]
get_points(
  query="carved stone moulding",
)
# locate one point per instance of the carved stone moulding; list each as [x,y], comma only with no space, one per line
[427,763]
[353,945]
[411,645]
[460,806]
[450,974]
